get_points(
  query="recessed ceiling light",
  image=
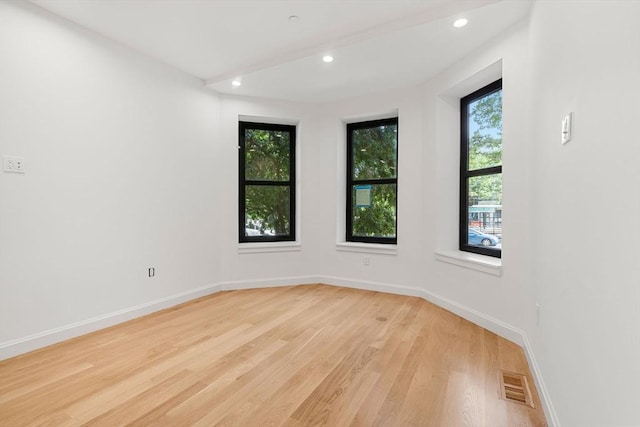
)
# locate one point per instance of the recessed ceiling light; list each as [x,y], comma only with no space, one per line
[294,19]
[236,82]
[459,23]
[327,58]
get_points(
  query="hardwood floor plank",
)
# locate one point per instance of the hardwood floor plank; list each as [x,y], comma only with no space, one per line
[295,356]
[332,333]
[143,402]
[292,392]
[233,387]
[157,415]
[388,365]
[29,386]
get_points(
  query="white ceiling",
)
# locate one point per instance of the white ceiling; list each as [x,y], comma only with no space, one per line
[377,44]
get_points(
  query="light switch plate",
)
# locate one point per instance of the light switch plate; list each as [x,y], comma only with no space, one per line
[567,128]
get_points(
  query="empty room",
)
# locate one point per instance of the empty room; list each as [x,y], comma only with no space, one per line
[322,212]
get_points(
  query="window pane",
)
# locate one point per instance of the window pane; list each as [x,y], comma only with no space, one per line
[267,210]
[485,131]
[484,212]
[374,152]
[266,155]
[374,210]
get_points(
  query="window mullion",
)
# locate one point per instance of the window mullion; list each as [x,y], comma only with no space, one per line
[486,171]
[375,181]
[274,183]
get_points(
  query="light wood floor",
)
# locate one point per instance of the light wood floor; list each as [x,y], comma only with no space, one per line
[296,356]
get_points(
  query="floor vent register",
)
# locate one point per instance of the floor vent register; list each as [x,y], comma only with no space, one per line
[515,388]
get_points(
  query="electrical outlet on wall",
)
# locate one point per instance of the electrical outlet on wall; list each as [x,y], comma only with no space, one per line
[152,271]
[13,164]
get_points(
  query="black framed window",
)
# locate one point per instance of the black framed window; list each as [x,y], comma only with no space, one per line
[267,187]
[481,171]
[372,181]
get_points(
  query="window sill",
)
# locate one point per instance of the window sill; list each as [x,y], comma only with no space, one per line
[485,264]
[370,248]
[254,248]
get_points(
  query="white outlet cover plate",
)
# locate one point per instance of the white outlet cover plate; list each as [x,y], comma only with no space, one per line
[13,164]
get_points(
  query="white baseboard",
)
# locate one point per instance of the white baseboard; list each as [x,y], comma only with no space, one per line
[269,283]
[547,405]
[489,323]
[509,332]
[371,286]
[52,336]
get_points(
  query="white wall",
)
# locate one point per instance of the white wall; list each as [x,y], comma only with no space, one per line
[293,262]
[121,176]
[133,165]
[585,58]
[501,297]
[398,268]
[321,192]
